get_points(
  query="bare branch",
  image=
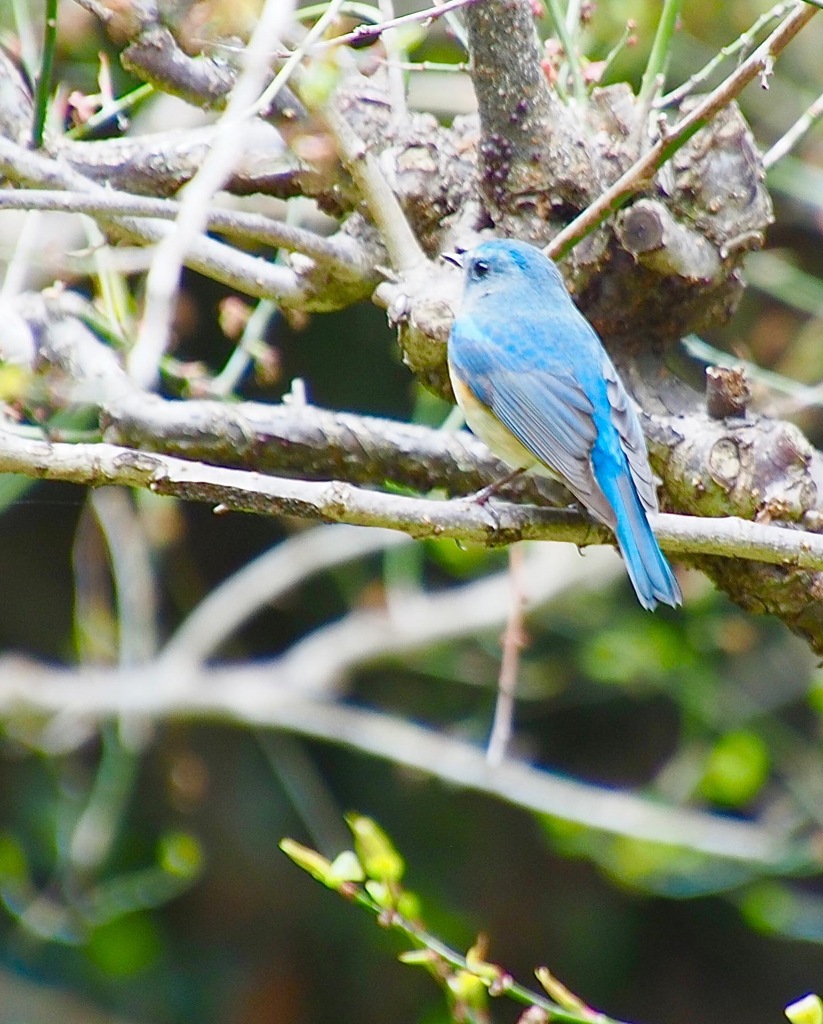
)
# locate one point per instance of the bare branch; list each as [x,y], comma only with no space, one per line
[131,163]
[246,695]
[370,33]
[532,155]
[341,253]
[513,640]
[246,273]
[641,173]
[163,279]
[404,249]
[331,654]
[333,501]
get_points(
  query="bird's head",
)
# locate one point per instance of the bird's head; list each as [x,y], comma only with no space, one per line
[505,265]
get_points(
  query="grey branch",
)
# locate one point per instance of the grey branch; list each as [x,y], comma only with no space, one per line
[334,501]
[340,253]
[131,163]
[532,155]
[245,695]
[247,273]
[762,470]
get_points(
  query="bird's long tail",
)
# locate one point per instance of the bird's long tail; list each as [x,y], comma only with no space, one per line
[649,571]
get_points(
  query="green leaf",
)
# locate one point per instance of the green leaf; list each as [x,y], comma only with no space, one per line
[125,946]
[736,769]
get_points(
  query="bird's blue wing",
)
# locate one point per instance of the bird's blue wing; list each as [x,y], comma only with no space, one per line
[546,411]
[633,443]
[551,415]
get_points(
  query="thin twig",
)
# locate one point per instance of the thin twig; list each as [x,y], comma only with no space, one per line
[19,266]
[384,207]
[135,582]
[501,731]
[163,277]
[115,108]
[803,124]
[342,255]
[642,172]
[249,274]
[659,56]
[616,50]
[491,976]
[369,33]
[228,379]
[42,89]
[276,85]
[572,56]
[742,42]
[396,54]
[325,659]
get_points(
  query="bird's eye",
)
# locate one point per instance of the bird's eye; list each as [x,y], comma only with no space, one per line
[480,268]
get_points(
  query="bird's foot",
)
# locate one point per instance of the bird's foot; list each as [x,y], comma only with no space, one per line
[482,496]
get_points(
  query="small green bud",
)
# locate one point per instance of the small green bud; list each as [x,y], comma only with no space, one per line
[808,1010]
[557,991]
[347,868]
[421,957]
[382,894]
[467,990]
[425,958]
[481,967]
[408,904]
[377,854]
[315,863]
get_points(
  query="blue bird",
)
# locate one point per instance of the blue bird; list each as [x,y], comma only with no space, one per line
[535,383]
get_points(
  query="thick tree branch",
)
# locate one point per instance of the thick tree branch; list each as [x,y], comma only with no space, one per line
[748,466]
[152,52]
[159,164]
[309,442]
[334,501]
[532,157]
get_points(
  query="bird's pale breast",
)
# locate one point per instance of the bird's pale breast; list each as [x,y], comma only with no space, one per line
[485,425]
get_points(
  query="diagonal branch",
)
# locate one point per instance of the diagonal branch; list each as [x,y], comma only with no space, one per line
[640,175]
[384,207]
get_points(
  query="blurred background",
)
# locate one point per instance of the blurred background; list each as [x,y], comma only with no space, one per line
[140,875]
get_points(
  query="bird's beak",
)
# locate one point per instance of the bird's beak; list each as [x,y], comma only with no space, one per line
[455,258]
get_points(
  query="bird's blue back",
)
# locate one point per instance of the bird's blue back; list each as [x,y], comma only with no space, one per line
[536,384]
